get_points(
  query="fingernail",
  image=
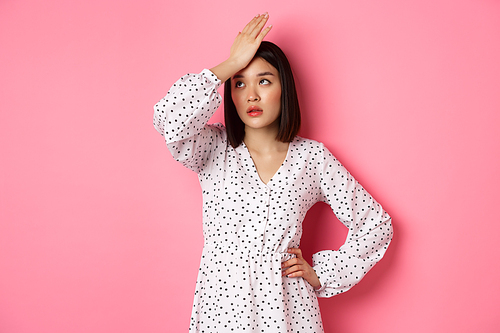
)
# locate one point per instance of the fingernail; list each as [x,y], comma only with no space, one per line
[266,14]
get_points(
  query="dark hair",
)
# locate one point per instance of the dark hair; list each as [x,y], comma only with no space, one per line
[289,122]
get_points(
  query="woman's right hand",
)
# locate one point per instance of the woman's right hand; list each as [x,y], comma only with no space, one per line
[244,47]
[248,41]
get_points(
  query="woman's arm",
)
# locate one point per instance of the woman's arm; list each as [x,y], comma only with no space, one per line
[182,115]
[181,118]
[370,230]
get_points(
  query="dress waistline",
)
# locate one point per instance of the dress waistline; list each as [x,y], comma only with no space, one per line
[266,255]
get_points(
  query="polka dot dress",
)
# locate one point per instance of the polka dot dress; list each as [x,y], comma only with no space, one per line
[249,225]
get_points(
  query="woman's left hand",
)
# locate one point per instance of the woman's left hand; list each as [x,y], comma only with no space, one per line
[298,266]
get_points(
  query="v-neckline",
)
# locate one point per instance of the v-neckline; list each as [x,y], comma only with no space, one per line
[253,167]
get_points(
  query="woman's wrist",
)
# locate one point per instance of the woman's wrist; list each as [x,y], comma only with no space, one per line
[226,69]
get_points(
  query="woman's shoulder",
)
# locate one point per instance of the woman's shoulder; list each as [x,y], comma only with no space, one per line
[308,144]
[310,148]
[218,128]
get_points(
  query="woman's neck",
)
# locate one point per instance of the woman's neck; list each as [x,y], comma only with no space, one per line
[263,140]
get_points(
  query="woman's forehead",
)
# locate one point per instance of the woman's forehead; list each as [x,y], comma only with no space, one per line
[257,67]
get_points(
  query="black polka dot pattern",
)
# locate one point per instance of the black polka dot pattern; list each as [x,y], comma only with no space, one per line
[249,225]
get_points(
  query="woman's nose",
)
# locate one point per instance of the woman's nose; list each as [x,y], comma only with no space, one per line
[253,96]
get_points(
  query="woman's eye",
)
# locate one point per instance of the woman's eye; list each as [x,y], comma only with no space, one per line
[264,81]
[239,84]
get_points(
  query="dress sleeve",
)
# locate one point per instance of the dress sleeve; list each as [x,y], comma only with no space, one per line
[181,118]
[370,230]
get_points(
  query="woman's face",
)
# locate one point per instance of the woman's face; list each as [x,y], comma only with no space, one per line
[256,93]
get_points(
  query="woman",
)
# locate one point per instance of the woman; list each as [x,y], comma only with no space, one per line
[258,180]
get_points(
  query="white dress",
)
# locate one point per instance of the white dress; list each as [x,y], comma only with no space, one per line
[249,225]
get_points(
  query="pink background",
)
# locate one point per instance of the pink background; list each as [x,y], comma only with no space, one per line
[101,230]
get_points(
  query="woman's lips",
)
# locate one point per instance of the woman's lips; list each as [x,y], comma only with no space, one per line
[254,111]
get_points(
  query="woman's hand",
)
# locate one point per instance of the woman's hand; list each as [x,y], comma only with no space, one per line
[248,41]
[244,48]
[299,267]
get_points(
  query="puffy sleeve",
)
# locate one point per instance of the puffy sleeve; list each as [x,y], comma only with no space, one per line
[181,118]
[370,230]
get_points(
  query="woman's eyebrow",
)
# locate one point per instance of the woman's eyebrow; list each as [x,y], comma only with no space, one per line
[239,76]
